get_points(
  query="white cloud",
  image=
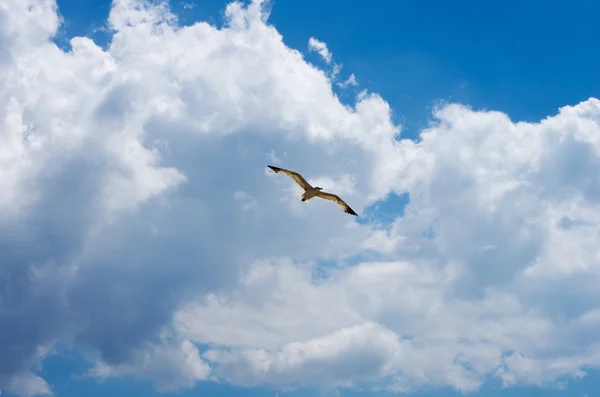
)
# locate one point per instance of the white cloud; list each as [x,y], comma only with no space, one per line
[133,194]
[320,48]
[410,301]
[119,165]
[349,81]
[506,285]
[173,365]
[28,385]
[357,353]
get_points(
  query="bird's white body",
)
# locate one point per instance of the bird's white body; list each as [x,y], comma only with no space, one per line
[310,193]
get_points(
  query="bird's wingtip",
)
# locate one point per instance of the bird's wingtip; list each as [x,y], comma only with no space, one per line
[350,211]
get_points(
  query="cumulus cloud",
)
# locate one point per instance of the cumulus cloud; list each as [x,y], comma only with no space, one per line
[357,353]
[173,365]
[498,277]
[119,168]
[137,218]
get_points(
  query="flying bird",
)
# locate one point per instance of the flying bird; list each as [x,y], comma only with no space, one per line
[310,192]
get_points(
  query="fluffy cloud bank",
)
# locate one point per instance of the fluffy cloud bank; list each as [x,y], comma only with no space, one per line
[137,218]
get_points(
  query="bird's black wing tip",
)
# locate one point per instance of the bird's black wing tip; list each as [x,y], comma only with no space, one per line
[273,167]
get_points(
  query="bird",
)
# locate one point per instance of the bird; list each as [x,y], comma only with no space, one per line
[310,191]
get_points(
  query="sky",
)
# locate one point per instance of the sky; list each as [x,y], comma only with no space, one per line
[146,250]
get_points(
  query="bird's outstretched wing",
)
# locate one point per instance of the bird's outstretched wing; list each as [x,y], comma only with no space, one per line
[294,175]
[332,197]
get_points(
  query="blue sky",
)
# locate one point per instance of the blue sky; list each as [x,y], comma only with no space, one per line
[159,228]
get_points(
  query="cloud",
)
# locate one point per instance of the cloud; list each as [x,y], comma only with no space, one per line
[498,274]
[135,209]
[412,326]
[361,352]
[349,81]
[28,384]
[119,169]
[173,365]
[320,48]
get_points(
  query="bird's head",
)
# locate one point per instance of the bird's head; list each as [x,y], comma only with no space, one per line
[318,188]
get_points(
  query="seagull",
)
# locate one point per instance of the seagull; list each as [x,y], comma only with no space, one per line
[310,192]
